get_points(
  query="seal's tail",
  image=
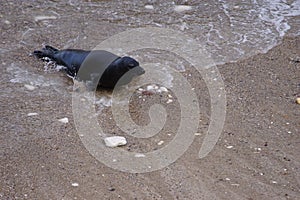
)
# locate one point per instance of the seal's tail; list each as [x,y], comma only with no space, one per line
[47,51]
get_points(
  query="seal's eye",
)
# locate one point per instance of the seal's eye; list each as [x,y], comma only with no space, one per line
[131,65]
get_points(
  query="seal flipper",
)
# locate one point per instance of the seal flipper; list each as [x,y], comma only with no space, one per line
[50,48]
[47,51]
[39,54]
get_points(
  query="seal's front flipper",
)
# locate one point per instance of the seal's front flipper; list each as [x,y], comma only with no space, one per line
[50,48]
[47,51]
[39,54]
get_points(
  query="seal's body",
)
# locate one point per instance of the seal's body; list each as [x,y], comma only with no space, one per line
[103,68]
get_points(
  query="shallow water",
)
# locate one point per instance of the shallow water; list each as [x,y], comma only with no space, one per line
[228,30]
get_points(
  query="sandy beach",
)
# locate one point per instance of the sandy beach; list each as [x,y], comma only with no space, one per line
[256,156]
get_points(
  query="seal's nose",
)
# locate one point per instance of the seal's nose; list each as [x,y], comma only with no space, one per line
[140,70]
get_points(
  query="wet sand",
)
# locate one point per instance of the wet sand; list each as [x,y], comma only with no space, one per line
[256,157]
[41,157]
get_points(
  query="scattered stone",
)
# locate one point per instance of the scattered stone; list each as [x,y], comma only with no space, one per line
[75,184]
[32,114]
[298,100]
[115,141]
[150,87]
[229,147]
[160,142]
[169,101]
[257,149]
[7,22]
[227,179]
[197,134]
[64,120]
[40,18]
[29,87]
[149,7]
[111,189]
[182,8]
[139,155]
[163,89]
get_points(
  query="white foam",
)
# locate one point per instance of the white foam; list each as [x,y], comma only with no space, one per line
[104,101]
[23,76]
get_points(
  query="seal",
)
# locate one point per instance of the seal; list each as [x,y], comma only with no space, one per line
[101,68]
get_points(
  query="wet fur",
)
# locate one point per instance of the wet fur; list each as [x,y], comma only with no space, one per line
[111,66]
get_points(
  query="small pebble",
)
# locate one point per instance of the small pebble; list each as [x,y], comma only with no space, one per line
[149,7]
[298,100]
[115,141]
[150,87]
[40,18]
[163,89]
[160,142]
[139,155]
[64,120]
[169,101]
[32,114]
[229,147]
[75,184]
[29,87]
[197,134]
[182,8]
